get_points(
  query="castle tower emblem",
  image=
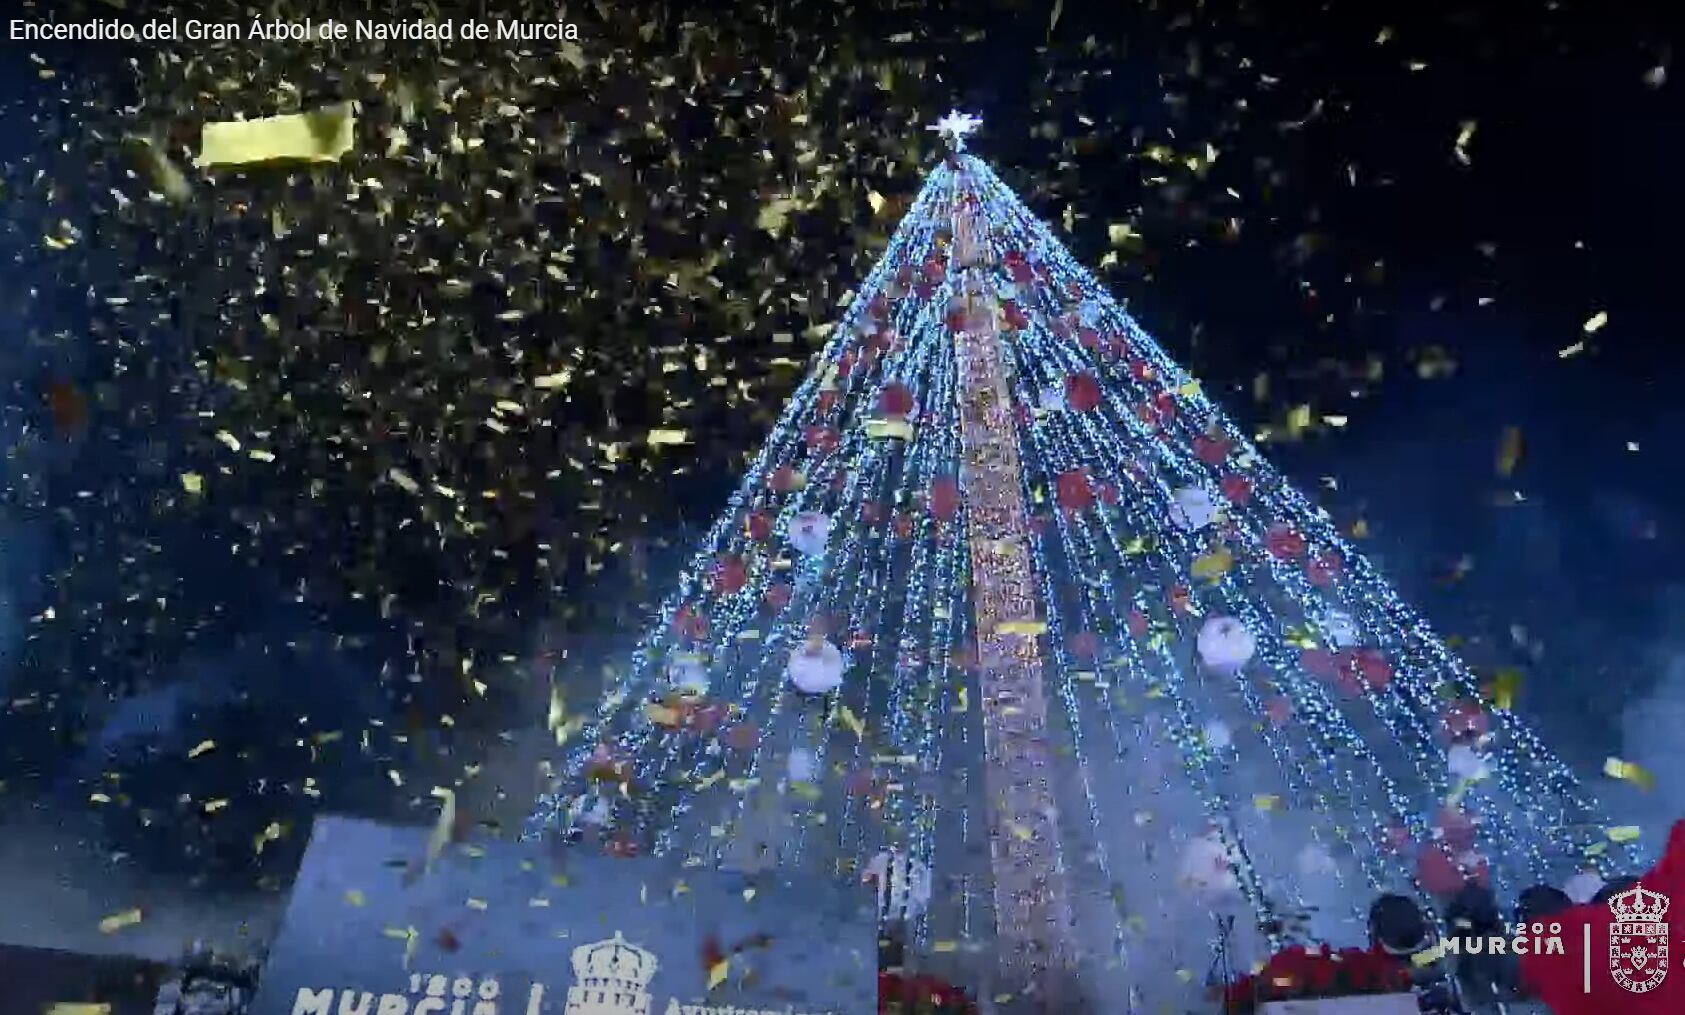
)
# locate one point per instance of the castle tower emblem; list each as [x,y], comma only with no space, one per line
[611,978]
[1638,939]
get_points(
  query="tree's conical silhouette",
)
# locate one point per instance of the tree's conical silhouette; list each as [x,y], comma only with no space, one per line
[1103,673]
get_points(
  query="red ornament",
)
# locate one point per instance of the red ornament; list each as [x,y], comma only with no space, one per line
[690,623]
[1137,624]
[1318,662]
[1021,273]
[1082,392]
[1465,720]
[944,498]
[1181,598]
[1107,493]
[827,402]
[1437,872]
[1323,568]
[1141,370]
[896,400]
[822,439]
[1283,542]
[758,526]
[1373,669]
[934,269]
[784,479]
[1014,316]
[1072,491]
[1211,450]
[1085,645]
[1455,828]
[743,736]
[1237,489]
[1088,338]
[1279,709]
[1164,406]
[729,574]
[902,525]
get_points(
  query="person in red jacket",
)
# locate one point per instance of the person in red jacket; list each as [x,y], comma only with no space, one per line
[1561,981]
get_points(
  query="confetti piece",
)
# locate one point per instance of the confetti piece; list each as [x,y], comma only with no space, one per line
[1509,451]
[117,921]
[202,748]
[944,946]
[846,716]
[192,482]
[441,834]
[660,437]
[1615,768]
[718,972]
[1571,350]
[77,1008]
[1266,802]
[964,702]
[1622,833]
[1024,628]
[479,905]
[898,429]
[1595,322]
[322,135]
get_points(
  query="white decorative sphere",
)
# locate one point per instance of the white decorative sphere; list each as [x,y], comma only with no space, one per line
[1314,861]
[686,673]
[1465,763]
[1225,644]
[1051,398]
[1192,508]
[802,765]
[1583,887]
[1341,630]
[816,669]
[902,882]
[809,532]
[1206,867]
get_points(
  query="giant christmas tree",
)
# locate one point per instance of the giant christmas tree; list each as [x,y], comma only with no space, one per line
[1007,598]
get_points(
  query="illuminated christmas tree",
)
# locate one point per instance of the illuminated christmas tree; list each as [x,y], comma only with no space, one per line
[1008,617]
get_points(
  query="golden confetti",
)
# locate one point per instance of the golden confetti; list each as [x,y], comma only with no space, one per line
[323,135]
[117,921]
[1595,322]
[1615,768]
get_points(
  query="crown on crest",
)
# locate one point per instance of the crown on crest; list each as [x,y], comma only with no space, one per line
[616,964]
[1638,903]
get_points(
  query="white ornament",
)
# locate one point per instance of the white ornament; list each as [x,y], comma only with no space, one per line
[1192,509]
[816,669]
[1583,887]
[1206,866]
[802,765]
[595,816]
[1051,398]
[1225,644]
[955,126]
[1465,763]
[903,884]
[1314,861]
[686,673]
[1341,630]
[809,532]
[1217,734]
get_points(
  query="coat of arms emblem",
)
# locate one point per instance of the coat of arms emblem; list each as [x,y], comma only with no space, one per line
[1638,939]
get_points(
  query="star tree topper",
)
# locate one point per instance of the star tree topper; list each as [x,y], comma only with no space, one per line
[955,126]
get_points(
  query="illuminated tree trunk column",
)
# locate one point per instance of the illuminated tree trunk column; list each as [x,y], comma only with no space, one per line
[1032,913]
